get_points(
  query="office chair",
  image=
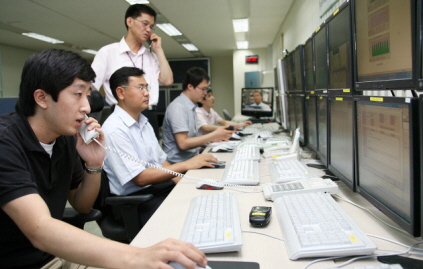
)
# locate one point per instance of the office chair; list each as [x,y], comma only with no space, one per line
[227,115]
[96,104]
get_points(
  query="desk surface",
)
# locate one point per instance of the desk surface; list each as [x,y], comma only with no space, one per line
[270,253]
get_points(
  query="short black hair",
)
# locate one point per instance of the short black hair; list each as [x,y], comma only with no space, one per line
[121,77]
[134,11]
[258,92]
[194,76]
[51,70]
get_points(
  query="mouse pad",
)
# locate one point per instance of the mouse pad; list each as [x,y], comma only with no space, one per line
[219,167]
[405,262]
[233,265]
[228,151]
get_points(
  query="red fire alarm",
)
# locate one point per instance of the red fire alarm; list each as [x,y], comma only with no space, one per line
[252,59]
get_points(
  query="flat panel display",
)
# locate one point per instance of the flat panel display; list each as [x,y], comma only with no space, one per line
[341,139]
[291,113]
[299,68]
[419,46]
[180,66]
[291,72]
[309,65]
[257,102]
[321,58]
[384,53]
[311,121]
[322,128]
[299,115]
[388,166]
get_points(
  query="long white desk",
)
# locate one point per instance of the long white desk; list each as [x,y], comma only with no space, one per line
[270,253]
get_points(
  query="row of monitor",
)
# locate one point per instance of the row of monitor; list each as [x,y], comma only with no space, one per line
[364,45]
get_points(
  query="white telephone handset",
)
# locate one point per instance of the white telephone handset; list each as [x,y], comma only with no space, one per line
[87,136]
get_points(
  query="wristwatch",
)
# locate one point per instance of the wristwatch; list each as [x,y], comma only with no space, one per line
[93,171]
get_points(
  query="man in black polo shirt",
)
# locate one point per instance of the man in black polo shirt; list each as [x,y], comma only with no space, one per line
[40,168]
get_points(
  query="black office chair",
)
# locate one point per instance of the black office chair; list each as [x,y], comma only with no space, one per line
[96,104]
[227,115]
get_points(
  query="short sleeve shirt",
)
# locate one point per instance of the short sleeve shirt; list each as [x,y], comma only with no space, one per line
[206,118]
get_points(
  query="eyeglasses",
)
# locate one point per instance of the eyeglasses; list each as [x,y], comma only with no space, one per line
[203,89]
[142,88]
[151,26]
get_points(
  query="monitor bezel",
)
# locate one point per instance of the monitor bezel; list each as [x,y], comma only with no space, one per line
[313,98]
[258,113]
[320,30]
[303,129]
[341,91]
[299,52]
[350,183]
[413,227]
[290,73]
[292,119]
[179,80]
[309,42]
[381,85]
[419,46]
[324,159]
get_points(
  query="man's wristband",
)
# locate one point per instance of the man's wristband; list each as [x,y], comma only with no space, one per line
[93,171]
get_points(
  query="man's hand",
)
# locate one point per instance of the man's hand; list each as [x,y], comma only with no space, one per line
[201,160]
[157,41]
[93,154]
[222,132]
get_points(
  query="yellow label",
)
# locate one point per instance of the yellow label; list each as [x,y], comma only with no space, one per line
[318,29]
[275,156]
[346,90]
[321,97]
[336,12]
[339,99]
[376,99]
[312,92]
[352,237]
[228,234]
[307,97]
[260,214]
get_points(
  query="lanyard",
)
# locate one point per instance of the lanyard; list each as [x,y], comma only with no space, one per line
[142,60]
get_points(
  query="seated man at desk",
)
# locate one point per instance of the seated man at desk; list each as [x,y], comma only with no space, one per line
[180,129]
[40,169]
[259,103]
[207,118]
[129,131]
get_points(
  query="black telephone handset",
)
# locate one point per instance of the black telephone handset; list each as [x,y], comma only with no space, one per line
[150,43]
[87,136]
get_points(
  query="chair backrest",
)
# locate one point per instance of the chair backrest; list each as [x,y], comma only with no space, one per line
[104,192]
[227,115]
[96,102]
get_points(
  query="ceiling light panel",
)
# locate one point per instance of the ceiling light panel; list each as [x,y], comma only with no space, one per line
[43,38]
[190,47]
[240,25]
[132,2]
[169,29]
[242,44]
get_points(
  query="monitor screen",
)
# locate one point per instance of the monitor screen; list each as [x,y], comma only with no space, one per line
[173,93]
[257,102]
[322,128]
[384,45]
[161,105]
[339,42]
[299,114]
[290,73]
[321,58]
[311,122]
[291,113]
[299,68]
[419,46]
[341,139]
[281,73]
[180,66]
[387,157]
[308,66]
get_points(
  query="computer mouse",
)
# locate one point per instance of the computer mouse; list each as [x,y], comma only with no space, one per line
[176,265]
[209,184]
[220,149]
[219,164]
[235,137]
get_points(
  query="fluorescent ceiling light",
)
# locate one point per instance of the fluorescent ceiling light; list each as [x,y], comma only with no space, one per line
[190,47]
[242,44]
[169,29]
[240,25]
[43,38]
[137,2]
[90,51]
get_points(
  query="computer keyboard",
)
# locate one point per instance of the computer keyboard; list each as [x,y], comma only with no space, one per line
[213,224]
[288,170]
[272,126]
[253,140]
[263,134]
[272,191]
[314,225]
[241,172]
[378,266]
[246,152]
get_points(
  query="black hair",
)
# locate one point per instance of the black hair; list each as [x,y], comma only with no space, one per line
[51,70]
[121,77]
[194,76]
[204,98]
[134,11]
[258,92]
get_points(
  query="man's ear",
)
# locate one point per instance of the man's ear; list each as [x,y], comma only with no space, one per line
[41,98]
[129,22]
[120,93]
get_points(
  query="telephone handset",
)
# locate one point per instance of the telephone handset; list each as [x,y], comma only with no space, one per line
[87,136]
[150,43]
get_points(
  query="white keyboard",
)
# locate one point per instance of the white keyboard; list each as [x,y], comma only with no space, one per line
[242,172]
[314,225]
[246,152]
[272,191]
[278,141]
[253,140]
[213,224]
[288,170]
[378,266]
[263,134]
[273,126]
[276,152]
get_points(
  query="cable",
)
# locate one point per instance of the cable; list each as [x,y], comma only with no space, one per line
[271,236]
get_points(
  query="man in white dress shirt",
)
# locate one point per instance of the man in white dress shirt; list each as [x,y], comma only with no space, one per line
[258,102]
[130,51]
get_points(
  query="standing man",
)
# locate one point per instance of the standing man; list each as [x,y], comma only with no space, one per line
[130,51]
[41,169]
[180,129]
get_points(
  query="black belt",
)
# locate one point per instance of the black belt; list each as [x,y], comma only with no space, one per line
[153,108]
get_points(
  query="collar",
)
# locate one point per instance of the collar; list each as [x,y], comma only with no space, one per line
[127,119]
[208,114]
[123,47]
[188,102]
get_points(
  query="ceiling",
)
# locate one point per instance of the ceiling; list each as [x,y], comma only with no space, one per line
[91,24]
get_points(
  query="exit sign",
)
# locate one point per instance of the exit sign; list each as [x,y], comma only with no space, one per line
[252,59]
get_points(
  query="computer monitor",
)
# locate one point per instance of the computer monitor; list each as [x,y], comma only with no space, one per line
[298,55]
[340,52]
[290,73]
[180,66]
[311,116]
[161,105]
[257,102]
[388,157]
[291,113]
[341,138]
[281,82]
[173,93]
[384,47]
[309,66]
[321,59]
[300,117]
[322,128]
[419,46]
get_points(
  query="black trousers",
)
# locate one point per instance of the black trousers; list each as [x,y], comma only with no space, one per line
[153,120]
